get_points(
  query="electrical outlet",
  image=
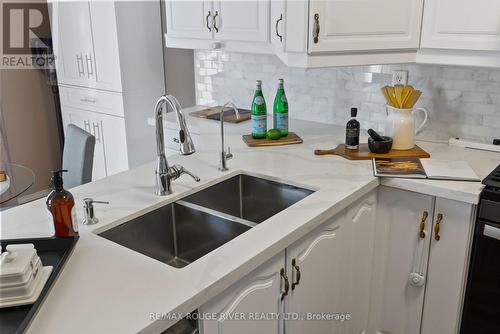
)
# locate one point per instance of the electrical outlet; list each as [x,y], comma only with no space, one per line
[400,78]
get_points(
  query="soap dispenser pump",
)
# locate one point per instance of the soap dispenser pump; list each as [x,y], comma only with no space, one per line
[61,205]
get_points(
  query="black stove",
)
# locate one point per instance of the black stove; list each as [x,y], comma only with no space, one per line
[481,305]
[492,181]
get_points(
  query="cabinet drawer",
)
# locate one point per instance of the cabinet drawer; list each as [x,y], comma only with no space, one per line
[92,100]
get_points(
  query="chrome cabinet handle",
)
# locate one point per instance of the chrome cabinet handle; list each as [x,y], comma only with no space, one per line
[277,33]
[81,70]
[90,69]
[215,21]
[85,124]
[208,25]
[421,233]
[316,28]
[287,284]
[97,134]
[86,99]
[297,269]
[437,227]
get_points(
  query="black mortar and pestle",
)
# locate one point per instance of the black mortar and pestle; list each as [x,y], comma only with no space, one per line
[377,143]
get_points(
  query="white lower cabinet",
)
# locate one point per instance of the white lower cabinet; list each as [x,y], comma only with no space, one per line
[322,273]
[335,265]
[394,262]
[110,151]
[419,278]
[396,305]
[260,291]
[448,259]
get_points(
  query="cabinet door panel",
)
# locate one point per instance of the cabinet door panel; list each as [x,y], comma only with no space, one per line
[447,267]
[72,35]
[336,264]
[90,123]
[365,25]
[259,292]
[396,305]
[278,26]
[104,63]
[242,20]
[188,19]
[461,24]
[113,136]
[319,257]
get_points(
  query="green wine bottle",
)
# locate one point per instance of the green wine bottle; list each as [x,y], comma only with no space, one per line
[280,110]
[259,113]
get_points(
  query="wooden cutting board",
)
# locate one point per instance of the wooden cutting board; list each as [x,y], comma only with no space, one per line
[291,139]
[364,153]
[229,115]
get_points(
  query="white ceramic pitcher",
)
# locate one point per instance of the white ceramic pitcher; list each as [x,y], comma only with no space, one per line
[400,125]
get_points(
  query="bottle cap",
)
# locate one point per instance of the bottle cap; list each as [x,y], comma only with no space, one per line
[258,82]
[57,180]
[354,112]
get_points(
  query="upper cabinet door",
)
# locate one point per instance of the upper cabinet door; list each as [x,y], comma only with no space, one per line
[189,19]
[103,65]
[72,35]
[461,24]
[241,20]
[278,26]
[364,25]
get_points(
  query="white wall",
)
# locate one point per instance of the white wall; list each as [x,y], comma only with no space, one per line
[463,101]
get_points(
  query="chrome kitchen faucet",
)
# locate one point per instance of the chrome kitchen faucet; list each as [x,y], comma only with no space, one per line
[223,155]
[165,174]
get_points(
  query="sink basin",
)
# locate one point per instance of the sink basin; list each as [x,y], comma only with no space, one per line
[248,197]
[176,234]
[179,233]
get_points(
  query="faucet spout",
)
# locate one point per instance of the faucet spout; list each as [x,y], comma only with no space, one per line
[165,174]
[223,155]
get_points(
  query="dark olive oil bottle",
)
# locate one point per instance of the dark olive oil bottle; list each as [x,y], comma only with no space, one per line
[352,131]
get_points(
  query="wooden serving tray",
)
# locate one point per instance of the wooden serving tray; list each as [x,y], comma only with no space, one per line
[290,139]
[364,153]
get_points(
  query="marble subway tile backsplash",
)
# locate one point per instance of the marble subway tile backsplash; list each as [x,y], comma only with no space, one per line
[462,101]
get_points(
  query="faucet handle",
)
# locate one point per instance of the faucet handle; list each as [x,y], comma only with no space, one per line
[177,170]
[229,155]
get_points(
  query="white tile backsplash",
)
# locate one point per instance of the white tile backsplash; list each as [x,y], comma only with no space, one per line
[462,101]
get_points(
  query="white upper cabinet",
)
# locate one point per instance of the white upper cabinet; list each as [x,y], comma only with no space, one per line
[189,19]
[105,57]
[241,20]
[339,25]
[461,24]
[72,41]
[86,45]
[278,24]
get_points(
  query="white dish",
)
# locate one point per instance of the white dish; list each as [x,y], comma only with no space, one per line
[5,185]
[42,277]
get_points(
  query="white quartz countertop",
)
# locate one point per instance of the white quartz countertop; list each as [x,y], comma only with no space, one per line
[107,288]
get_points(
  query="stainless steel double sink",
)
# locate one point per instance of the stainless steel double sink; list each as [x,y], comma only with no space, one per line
[179,233]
